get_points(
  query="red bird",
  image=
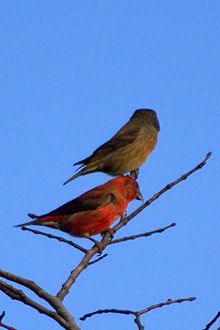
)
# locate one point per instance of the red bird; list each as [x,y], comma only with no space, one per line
[92,212]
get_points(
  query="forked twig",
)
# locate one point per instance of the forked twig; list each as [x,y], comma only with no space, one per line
[3,325]
[138,313]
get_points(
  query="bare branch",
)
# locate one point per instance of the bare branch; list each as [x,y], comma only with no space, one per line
[76,272]
[108,310]
[58,238]
[138,314]
[62,312]
[208,326]
[27,283]
[137,320]
[146,234]
[159,193]
[19,295]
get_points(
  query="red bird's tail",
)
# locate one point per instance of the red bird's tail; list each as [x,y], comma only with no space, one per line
[45,220]
[34,222]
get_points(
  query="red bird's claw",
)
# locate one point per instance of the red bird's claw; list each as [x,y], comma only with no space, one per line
[110,231]
[100,246]
[123,216]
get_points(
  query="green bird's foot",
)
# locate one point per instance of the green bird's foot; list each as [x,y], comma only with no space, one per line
[134,174]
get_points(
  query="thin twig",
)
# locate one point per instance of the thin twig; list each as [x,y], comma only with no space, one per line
[5,326]
[98,259]
[138,313]
[61,294]
[137,320]
[2,316]
[208,326]
[108,310]
[165,303]
[162,191]
[146,234]
[58,238]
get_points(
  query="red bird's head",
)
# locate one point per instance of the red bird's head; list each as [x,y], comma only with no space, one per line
[133,189]
[130,187]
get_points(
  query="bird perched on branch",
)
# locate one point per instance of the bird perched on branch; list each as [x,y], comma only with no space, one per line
[92,212]
[127,150]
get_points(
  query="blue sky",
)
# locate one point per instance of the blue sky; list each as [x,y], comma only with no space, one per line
[72,73]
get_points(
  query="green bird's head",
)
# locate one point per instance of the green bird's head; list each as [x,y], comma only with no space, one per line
[148,115]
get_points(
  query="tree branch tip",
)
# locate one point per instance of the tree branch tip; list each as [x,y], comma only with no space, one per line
[182,299]
[192,298]
[208,155]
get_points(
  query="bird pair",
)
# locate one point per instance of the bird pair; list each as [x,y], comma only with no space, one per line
[94,211]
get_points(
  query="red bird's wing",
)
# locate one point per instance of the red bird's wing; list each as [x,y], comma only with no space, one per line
[86,202]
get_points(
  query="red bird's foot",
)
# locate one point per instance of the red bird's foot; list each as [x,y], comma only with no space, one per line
[123,216]
[99,245]
[110,231]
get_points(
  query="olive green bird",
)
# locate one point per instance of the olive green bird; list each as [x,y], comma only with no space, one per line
[127,150]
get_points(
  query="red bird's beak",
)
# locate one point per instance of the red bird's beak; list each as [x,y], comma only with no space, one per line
[139,196]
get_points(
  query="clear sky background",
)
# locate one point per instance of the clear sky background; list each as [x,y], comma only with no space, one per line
[72,73]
